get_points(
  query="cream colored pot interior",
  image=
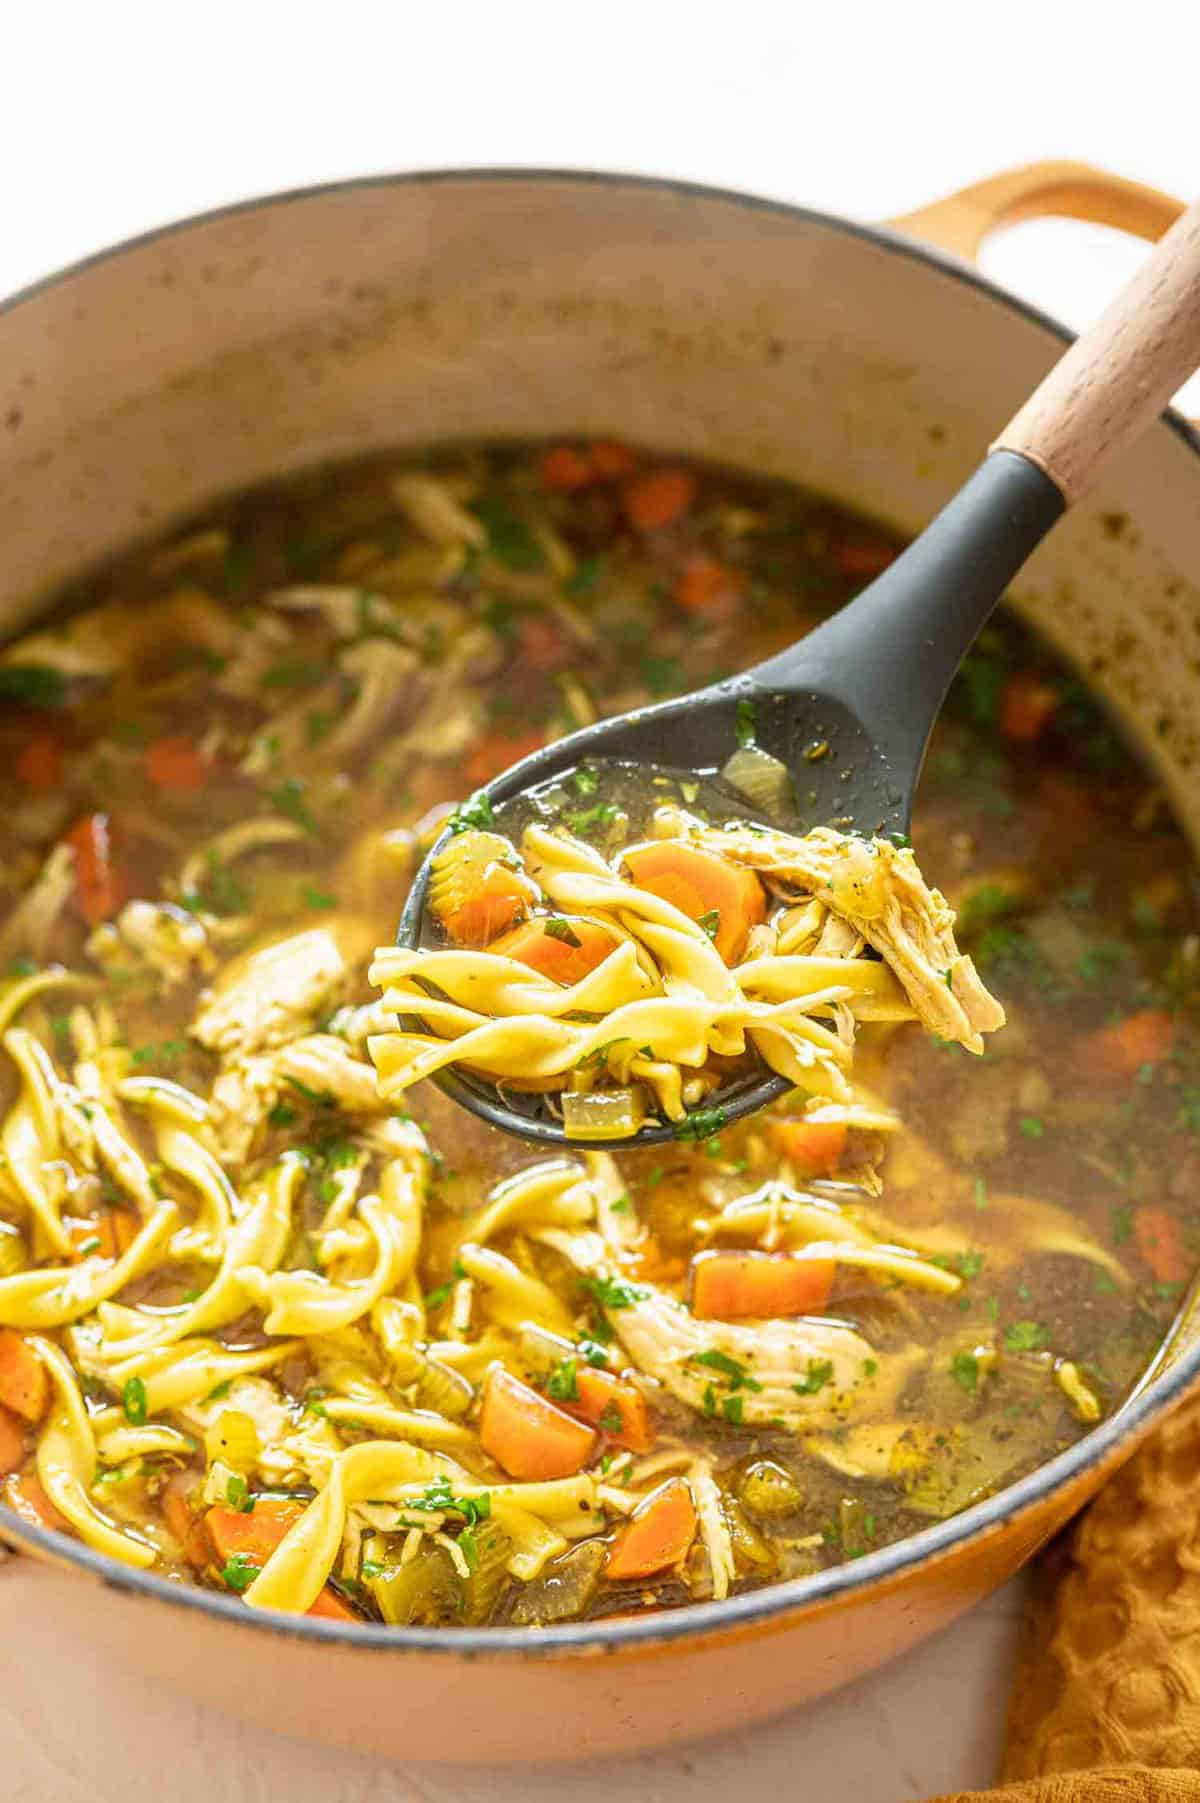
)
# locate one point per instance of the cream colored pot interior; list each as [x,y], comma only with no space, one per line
[212,356]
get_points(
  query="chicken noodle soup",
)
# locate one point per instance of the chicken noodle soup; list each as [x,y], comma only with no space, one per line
[268,1330]
[644,983]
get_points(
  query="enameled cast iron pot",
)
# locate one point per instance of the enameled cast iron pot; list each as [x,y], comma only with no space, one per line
[141,384]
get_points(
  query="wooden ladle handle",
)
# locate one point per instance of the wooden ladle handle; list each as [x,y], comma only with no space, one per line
[1121,373]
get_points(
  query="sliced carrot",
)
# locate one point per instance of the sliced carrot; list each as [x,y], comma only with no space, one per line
[497,750]
[96,883]
[175,763]
[25,1497]
[1116,1054]
[728,1286]
[543,645]
[1159,1239]
[498,901]
[185,1526]
[813,1148]
[658,498]
[614,1405]
[657,1536]
[862,557]
[529,1436]
[252,1534]
[708,588]
[106,1235]
[610,459]
[704,887]
[554,955]
[24,1383]
[40,761]
[565,469]
[1027,706]
[12,1442]
[330,1607]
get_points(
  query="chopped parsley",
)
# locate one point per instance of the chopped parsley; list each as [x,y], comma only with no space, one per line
[970,1264]
[964,1369]
[595,1355]
[283,1115]
[701,1123]
[610,1420]
[561,1384]
[584,820]
[1121,1224]
[316,898]
[815,1378]
[473,815]
[239,1572]
[560,929]
[288,800]
[36,685]
[237,1494]
[1025,1336]
[710,922]
[1032,1126]
[510,540]
[732,1407]
[745,726]
[614,1292]
[585,780]
[736,1374]
[133,1401]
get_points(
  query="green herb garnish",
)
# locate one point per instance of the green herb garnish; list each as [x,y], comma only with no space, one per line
[473,815]
[239,1572]
[561,1384]
[561,930]
[815,1378]
[964,1369]
[288,800]
[35,685]
[133,1401]
[1025,1336]
[701,1123]
[745,726]
[710,923]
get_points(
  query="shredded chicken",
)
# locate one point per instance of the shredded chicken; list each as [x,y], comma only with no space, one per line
[877,890]
[172,942]
[33,920]
[270,995]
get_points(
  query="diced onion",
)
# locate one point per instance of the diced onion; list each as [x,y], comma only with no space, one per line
[602,1114]
[761,778]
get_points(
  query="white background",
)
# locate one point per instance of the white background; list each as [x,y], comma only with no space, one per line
[120,116]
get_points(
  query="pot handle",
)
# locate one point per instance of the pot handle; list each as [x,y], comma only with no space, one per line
[961,222]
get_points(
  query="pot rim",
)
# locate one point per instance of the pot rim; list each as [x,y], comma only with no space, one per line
[754,1608]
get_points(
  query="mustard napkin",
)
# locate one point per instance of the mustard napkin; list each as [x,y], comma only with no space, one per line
[1106,1701]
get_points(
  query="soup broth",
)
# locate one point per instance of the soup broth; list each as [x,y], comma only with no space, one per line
[230,1271]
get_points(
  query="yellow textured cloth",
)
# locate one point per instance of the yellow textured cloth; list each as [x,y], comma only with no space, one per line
[1106,1701]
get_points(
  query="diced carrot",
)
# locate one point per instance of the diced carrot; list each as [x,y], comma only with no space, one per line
[658,498]
[185,1526]
[106,1235]
[861,557]
[709,588]
[252,1534]
[704,887]
[552,954]
[12,1442]
[530,1437]
[24,1383]
[1027,705]
[657,1535]
[653,1262]
[330,1607]
[96,882]
[496,751]
[614,1405]
[813,1148]
[564,469]
[175,763]
[498,901]
[728,1286]
[40,761]
[610,459]
[1116,1054]
[25,1497]
[543,644]
[1159,1239]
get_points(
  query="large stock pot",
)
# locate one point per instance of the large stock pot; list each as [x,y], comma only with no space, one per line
[398,311]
